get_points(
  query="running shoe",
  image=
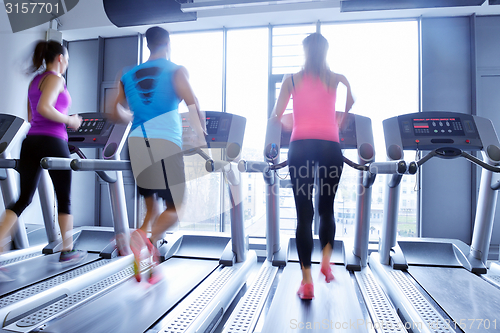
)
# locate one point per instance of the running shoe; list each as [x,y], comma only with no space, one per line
[306,291]
[327,272]
[137,244]
[72,257]
[154,274]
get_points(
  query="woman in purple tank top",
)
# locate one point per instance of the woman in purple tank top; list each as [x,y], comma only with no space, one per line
[314,142]
[48,104]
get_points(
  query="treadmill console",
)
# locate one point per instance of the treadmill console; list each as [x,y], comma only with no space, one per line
[5,123]
[225,130]
[11,128]
[98,131]
[93,132]
[347,135]
[90,126]
[431,130]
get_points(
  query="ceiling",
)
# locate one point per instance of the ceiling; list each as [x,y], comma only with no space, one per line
[88,19]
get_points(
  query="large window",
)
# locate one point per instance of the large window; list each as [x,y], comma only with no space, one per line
[229,72]
[246,95]
[380,61]
[202,55]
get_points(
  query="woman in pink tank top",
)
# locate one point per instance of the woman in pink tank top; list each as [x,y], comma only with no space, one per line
[314,142]
[48,104]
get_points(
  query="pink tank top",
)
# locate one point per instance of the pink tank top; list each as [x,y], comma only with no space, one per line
[314,114]
[41,125]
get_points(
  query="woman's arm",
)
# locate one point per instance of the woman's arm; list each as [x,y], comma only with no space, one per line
[349,99]
[51,88]
[283,98]
[29,111]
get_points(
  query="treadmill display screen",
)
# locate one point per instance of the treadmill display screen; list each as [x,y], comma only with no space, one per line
[4,126]
[438,127]
[213,125]
[90,126]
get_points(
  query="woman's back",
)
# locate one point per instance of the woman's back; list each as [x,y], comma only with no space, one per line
[314,114]
[39,124]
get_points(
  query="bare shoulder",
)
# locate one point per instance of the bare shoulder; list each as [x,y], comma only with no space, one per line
[287,81]
[52,81]
[182,71]
[341,78]
[54,78]
[291,80]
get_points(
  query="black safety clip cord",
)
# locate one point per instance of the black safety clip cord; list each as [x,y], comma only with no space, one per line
[146,140]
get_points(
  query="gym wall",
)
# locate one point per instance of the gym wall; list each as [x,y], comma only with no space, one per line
[460,71]
[94,65]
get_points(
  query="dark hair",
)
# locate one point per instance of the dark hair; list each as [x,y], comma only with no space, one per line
[315,48]
[157,37]
[45,53]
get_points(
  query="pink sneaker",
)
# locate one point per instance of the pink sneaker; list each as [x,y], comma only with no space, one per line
[155,275]
[327,272]
[136,245]
[306,291]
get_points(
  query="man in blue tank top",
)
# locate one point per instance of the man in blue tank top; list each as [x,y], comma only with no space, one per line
[152,91]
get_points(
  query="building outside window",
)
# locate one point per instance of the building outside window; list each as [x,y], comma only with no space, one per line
[233,75]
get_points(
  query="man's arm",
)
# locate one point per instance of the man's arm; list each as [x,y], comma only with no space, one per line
[185,92]
[119,110]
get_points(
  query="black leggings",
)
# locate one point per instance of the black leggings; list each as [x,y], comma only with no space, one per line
[303,155]
[34,148]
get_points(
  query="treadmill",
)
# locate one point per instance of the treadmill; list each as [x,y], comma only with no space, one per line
[353,300]
[202,273]
[29,238]
[99,132]
[440,279]
[42,280]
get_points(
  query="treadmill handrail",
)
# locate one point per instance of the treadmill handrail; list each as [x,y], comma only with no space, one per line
[9,163]
[60,163]
[391,167]
[472,159]
[99,165]
[252,166]
[56,163]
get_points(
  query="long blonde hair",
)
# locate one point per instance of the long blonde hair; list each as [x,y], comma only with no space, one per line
[315,49]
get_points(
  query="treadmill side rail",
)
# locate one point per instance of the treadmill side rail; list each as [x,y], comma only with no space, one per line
[409,301]
[244,317]
[208,302]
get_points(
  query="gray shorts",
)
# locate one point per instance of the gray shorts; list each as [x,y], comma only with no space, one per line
[158,168]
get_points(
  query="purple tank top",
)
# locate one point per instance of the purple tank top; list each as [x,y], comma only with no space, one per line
[41,125]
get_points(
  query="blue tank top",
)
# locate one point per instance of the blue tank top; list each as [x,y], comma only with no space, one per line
[151,96]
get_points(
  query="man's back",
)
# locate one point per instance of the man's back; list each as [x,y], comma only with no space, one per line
[149,89]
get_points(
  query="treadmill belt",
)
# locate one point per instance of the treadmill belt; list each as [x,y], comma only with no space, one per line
[335,307]
[36,269]
[471,302]
[133,307]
